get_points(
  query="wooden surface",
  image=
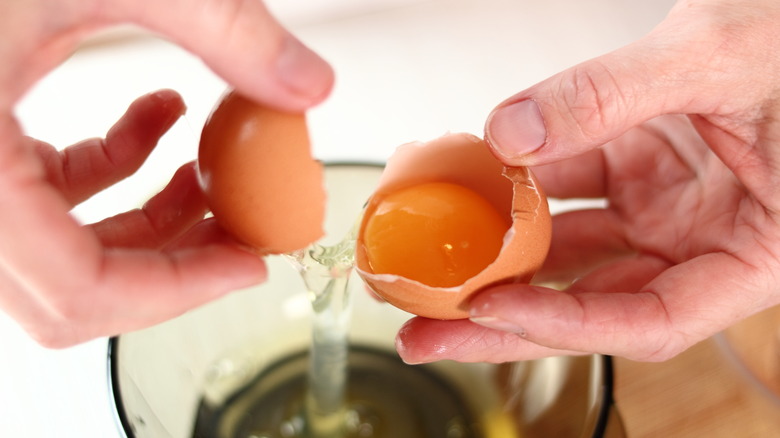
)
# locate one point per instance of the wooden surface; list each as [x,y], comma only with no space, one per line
[699,393]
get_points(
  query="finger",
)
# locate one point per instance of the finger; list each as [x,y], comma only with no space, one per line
[489,337]
[651,322]
[194,271]
[242,42]
[84,289]
[162,219]
[673,70]
[579,177]
[238,39]
[423,340]
[581,241]
[88,167]
[137,289]
[11,296]
[626,275]
[204,233]
[666,145]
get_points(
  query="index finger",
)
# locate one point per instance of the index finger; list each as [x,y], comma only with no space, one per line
[238,39]
[241,41]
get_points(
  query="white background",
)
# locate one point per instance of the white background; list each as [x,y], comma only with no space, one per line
[406,70]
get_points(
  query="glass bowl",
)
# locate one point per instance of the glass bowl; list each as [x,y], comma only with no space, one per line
[228,368]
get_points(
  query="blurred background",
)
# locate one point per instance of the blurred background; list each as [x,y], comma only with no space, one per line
[406,70]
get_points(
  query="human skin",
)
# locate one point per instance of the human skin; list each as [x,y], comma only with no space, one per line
[64,282]
[679,133]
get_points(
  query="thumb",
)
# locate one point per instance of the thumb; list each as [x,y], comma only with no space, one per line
[687,65]
[570,113]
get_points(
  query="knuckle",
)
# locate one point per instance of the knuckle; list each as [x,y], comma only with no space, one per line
[661,349]
[593,98]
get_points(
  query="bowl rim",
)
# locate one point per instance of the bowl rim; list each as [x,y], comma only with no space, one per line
[605,393]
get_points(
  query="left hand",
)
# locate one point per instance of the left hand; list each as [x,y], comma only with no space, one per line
[685,151]
[65,283]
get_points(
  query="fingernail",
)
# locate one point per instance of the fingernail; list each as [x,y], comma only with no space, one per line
[403,353]
[493,309]
[303,72]
[516,130]
[404,350]
[496,323]
[169,99]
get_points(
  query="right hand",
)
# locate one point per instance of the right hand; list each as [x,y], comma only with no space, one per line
[689,242]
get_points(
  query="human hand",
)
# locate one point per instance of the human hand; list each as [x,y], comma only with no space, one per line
[65,283]
[689,242]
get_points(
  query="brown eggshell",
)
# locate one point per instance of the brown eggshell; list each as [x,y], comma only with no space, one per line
[259,177]
[466,160]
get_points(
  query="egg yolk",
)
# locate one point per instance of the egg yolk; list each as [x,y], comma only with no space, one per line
[439,234]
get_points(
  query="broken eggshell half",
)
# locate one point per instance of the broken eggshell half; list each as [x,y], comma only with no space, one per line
[466,160]
[259,177]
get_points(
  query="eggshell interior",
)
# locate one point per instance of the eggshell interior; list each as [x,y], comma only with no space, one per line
[466,160]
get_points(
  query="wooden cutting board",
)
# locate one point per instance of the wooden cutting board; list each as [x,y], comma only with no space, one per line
[700,393]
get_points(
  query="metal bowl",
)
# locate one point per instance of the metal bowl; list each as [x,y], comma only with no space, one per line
[164,378]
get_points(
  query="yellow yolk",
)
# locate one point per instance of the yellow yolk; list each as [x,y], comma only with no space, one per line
[439,234]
